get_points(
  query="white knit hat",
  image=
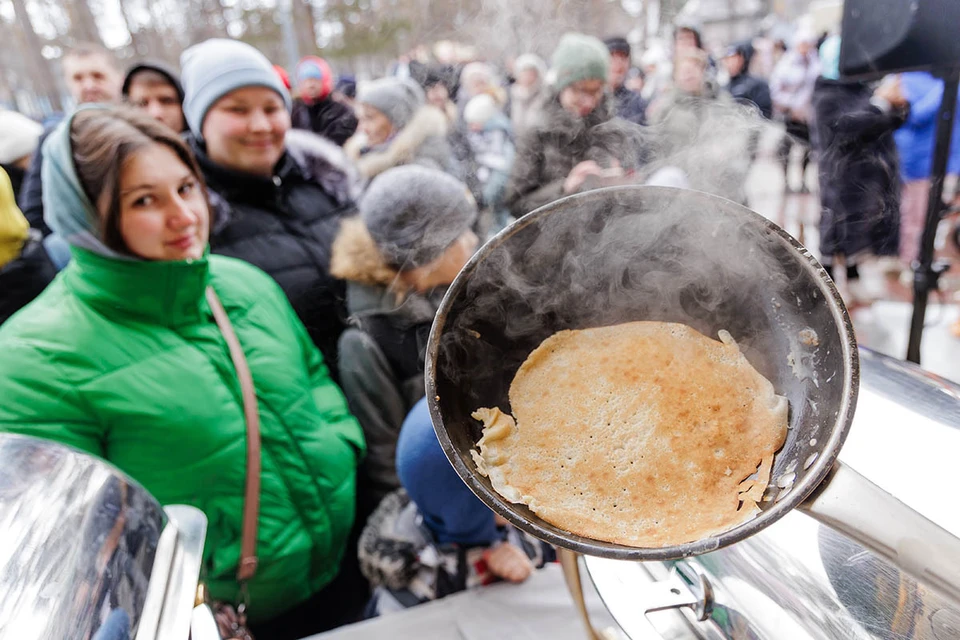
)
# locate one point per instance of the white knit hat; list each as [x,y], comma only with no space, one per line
[480,109]
[19,136]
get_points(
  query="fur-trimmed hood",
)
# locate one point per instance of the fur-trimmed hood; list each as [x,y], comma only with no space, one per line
[355,257]
[423,139]
[326,163]
[373,288]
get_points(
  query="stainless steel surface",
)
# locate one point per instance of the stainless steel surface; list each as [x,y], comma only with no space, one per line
[864,512]
[87,553]
[630,600]
[800,579]
[77,543]
[628,253]
[176,572]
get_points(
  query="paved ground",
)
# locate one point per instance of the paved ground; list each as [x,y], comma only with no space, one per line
[885,324]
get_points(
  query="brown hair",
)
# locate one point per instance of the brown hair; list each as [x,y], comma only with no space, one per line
[102,141]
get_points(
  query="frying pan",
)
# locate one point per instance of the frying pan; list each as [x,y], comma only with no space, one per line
[654,253]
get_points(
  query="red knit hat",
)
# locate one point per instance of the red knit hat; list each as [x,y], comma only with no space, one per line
[314,67]
[284,77]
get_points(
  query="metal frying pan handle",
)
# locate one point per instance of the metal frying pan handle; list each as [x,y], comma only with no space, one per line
[854,506]
[630,606]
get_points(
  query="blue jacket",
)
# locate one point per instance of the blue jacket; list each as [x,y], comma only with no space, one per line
[915,139]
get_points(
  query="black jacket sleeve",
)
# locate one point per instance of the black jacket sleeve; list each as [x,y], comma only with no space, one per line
[31,193]
[341,125]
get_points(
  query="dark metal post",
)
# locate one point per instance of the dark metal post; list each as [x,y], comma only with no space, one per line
[926,273]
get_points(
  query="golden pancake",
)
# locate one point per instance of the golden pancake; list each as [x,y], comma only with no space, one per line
[647,434]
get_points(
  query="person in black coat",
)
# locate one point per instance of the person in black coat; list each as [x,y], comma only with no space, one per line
[412,237]
[858,164]
[743,87]
[25,267]
[627,104]
[315,109]
[278,194]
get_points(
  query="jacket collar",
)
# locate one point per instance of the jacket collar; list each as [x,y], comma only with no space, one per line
[556,121]
[169,293]
[236,184]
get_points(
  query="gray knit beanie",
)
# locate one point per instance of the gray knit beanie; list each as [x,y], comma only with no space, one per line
[579,57]
[414,214]
[214,68]
[396,98]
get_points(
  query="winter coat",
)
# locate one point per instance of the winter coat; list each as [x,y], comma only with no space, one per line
[791,85]
[423,141]
[630,106]
[123,359]
[286,226]
[16,175]
[859,182]
[559,141]
[493,151]
[22,279]
[382,353]
[525,105]
[916,138]
[328,118]
[398,320]
[14,229]
[30,195]
[25,268]
[751,91]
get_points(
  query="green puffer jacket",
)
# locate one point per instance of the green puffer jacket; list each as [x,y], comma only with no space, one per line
[123,359]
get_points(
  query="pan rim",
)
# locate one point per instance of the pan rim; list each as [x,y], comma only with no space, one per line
[804,487]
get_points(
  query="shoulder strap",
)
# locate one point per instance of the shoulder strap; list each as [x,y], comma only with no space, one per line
[251,500]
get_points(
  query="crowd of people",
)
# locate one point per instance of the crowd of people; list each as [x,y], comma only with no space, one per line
[327,217]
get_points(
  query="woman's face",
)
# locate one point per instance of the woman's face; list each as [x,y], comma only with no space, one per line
[528,77]
[581,98]
[163,213]
[373,124]
[245,130]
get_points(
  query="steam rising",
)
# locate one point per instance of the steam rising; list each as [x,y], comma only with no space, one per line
[679,259]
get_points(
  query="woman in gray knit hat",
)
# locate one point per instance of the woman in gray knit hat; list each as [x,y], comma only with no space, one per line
[398,127]
[412,237]
[575,143]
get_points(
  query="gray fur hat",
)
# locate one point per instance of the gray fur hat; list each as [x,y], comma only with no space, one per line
[396,98]
[414,214]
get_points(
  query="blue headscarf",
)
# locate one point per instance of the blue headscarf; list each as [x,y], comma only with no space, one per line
[66,208]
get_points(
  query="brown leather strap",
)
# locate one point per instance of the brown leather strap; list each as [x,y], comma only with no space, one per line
[251,499]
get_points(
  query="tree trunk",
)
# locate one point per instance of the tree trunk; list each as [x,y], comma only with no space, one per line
[38,66]
[83,25]
[643,25]
[304,27]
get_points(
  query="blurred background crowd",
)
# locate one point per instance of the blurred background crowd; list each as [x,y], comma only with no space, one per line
[326,169]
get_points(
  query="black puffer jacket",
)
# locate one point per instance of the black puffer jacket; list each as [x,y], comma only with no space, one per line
[750,90]
[22,279]
[630,105]
[286,226]
[557,141]
[859,171]
[328,118]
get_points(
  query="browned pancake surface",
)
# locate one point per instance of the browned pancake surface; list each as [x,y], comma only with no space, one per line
[641,434]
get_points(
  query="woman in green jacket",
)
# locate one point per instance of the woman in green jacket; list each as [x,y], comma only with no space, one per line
[121,357]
